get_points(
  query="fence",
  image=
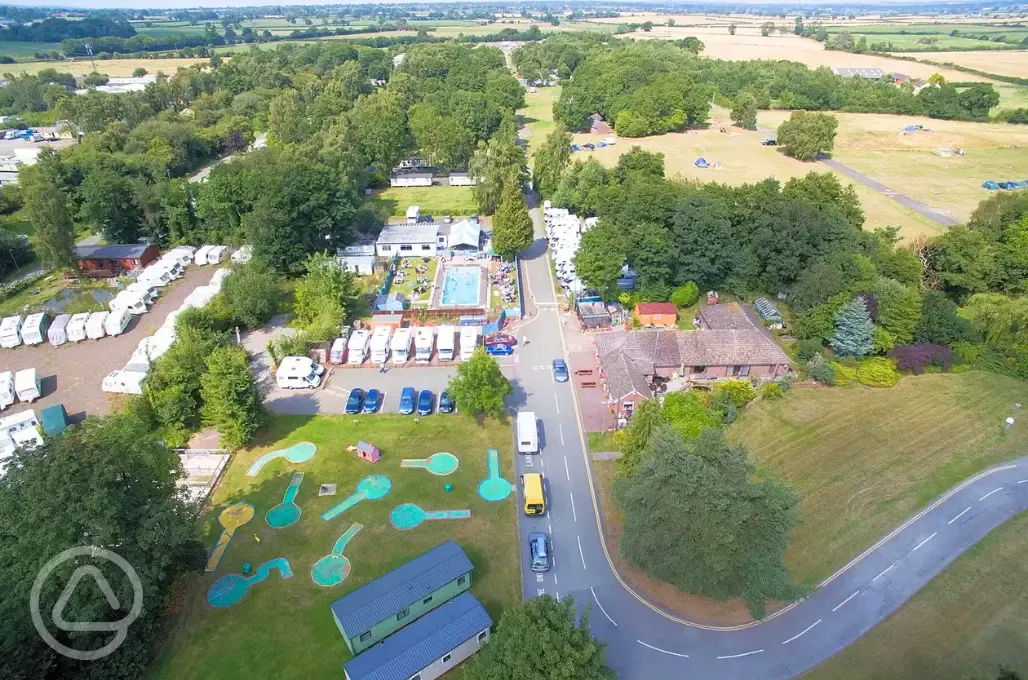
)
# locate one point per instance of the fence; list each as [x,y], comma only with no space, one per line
[384,290]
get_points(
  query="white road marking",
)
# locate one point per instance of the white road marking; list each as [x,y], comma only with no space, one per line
[736,656]
[839,606]
[573,513]
[566,470]
[887,570]
[580,553]
[557,593]
[601,606]
[923,542]
[554,579]
[1023,481]
[962,512]
[549,528]
[805,630]
[557,403]
[990,493]
[561,428]
[658,649]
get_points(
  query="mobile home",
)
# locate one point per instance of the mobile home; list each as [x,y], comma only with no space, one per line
[380,344]
[117,321]
[401,346]
[7,393]
[357,347]
[468,341]
[34,330]
[95,325]
[27,386]
[445,342]
[77,327]
[57,334]
[423,341]
[10,332]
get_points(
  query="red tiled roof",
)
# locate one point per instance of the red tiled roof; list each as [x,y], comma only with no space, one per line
[657,308]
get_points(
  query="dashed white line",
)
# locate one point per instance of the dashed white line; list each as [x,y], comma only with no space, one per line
[557,403]
[601,606]
[662,651]
[561,428]
[887,570]
[801,633]
[923,542]
[573,513]
[1023,481]
[549,528]
[737,656]
[990,493]
[839,606]
[567,471]
[555,579]
[962,513]
[580,553]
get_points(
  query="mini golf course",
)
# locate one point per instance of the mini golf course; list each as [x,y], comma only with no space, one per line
[231,518]
[494,488]
[297,453]
[332,569]
[371,488]
[286,512]
[408,516]
[231,588]
[438,463]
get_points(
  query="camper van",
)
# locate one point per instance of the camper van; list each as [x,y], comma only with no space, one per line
[244,254]
[96,324]
[133,302]
[380,344]
[445,342]
[7,393]
[147,291]
[200,256]
[26,385]
[17,430]
[357,347]
[401,346]
[337,354]
[423,341]
[468,341]
[299,373]
[57,334]
[35,328]
[216,254]
[117,321]
[77,327]
[10,332]
[528,433]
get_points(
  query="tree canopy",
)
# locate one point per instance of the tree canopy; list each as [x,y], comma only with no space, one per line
[806,135]
[479,387]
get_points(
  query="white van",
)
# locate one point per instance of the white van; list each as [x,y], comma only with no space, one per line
[26,385]
[77,327]
[7,393]
[33,332]
[10,332]
[57,334]
[299,372]
[148,291]
[95,325]
[117,321]
[528,433]
[338,352]
[200,256]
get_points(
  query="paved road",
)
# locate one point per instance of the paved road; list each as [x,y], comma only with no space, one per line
[646,644]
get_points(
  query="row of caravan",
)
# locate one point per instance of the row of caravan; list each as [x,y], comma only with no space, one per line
[384,345]
[21,386]
[39,327]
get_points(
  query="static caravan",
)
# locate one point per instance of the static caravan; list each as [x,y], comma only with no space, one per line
[401,346]
[244,254]
[216,254]
[337,354]
[77,327]
[156,275]
[57,334]
[124,382]
[10,332]
[135,303]
[7,393]
[27,386]
[357,347]
[148,292]
[117,321]
[468,341]
[380,344]
[96,324]
[33,332]
[423,341]
[445,342]
[200,256]
[299,372]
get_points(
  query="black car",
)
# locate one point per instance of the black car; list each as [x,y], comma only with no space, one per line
[769,142]
[588,145]
[355,401]
[446,403]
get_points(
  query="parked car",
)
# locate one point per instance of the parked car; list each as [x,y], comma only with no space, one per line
[425,403]
[769,142]
[355,401]
[588,145]
[372,401]
[538,547]
[407,398]
[446,403]
[499,350]
[560,370]
[501,339]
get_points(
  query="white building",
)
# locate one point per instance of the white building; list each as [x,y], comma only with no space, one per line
[361,265]
[408,240]
[410,179]
[462,179]
[9,167]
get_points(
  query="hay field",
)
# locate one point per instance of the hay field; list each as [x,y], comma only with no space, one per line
[1005,63]
[112,67]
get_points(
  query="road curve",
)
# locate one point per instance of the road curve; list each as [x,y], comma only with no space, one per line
[645,643]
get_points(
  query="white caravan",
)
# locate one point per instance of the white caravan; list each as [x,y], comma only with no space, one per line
[401,346]
[380,344]
[17,430]
[7,393]
[337,354]
[27,386]
[148,292]
[200,256]
[445,342]
[10,332]
[77,327]
[95,325]
[244,254]
[298,373]
[357,347]
[124,382]
[423,341]
[57,334]
[216,254]
[134,302]
[33,332]
[117,321]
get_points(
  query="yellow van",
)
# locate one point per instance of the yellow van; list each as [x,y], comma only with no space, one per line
[532,489]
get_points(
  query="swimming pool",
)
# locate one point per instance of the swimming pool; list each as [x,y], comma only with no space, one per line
[461,287]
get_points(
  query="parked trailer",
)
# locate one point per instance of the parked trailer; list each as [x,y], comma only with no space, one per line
[216,254]
[134,302]
[77,327]
[57,334]
[17,430]
[10,332]
[27,385]
[95,325]
[33,332]
[7,393]
[147,291]
[244,254]
[200,256]
[117,321]
[423,342]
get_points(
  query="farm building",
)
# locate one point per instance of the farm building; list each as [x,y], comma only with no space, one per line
[113,260]
[374,611]
[462,179]
[410,179]
[431,646]
[867,73]
[656,314]
[408,240]
[362,265]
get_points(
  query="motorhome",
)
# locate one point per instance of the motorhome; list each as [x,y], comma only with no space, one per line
[77,327]
[445,342]
[299,372]
[27,385]
[357,347]
[148,292]
[401,346]
[244,254]
[7,393]
[57,334]
[380,344]
[95,325]
[216,254]
[468,341]
[33,332]
[17,430]
[423,341]
[528,433]
[10,332]
[200,256]
[117,321]
[134,302]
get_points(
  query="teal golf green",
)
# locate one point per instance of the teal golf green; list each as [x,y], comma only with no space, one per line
[332,569]
[408,516]
[371,488]
[438,463]
[494,488]
[297,453]
[231,588]
[287,512]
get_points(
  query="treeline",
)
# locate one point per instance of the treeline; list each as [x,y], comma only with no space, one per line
[95,25]
[560,53]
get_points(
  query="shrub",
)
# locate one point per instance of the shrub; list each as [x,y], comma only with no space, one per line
[882,341]
[772,391]
[738,392]
[877,372]
[293,345]
[917,358]
[968,352]
[844,375]
[807,349]
[686,294]
[820,370]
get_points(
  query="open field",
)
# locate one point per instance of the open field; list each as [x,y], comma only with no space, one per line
[538,117]
[971,618]
[436,201]
[112,67]
[284,627]
[909,43]
[1004,63]
[25,50]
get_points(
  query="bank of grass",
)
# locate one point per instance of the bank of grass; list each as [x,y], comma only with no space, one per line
[969,619]
[600,442]
[436,201]
[284,627]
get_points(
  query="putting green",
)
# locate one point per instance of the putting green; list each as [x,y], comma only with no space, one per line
[231,588]
[231,518]
[297,453]
[438,463]
[371,488]
[494,488]
[408,516]
[286,512]
[332,569]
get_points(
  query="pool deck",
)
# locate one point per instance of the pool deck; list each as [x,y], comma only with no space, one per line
[483,285]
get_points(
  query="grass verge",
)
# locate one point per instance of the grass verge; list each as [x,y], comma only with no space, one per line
[435,201]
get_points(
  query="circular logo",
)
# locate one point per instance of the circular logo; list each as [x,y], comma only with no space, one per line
[119,628]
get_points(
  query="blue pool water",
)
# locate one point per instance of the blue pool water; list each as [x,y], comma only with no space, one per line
[460,288]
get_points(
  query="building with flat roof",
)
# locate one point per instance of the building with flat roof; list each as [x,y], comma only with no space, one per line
[410,239]
[112,260]
[410,178]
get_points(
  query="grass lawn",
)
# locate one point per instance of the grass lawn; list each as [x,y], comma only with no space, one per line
[969,619]
[407,287]
[601,441]
[112,67]
[436,201]
[1006,62]
[284,627]
[537,116]
[26,50]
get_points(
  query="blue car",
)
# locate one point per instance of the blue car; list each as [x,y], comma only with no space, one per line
[425,403]
[499,350]
[407,401]
[372,401]
[355,401]
[446,403]
[560,370]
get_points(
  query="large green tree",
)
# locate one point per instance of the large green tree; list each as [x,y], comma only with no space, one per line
[252,293]
[600,256]
[109,205]
[512,225]
[441,140]
[551,160]
[698,516]
[479,387]
[807,134]
[853,330]
[326,292]
[231,401]
[744,113]
[493,165]
[899,309]
[542,639]
[380,127]
[1000,319]
[50,208]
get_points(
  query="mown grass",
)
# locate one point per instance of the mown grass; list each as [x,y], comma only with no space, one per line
[436,201]
[284,627]
[25,50]
[537,115]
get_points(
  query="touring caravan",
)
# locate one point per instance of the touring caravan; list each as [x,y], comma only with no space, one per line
[147,291]
[337,354]
[299,372]
[7,393]
[182,254]
[117,321]
[244,254]
[401,346]
[124,382]
[156,275]
[423,341]
[34,330]
[357,347]
[95,325]
[57,334]
[200,256]
[219,278]
[380,344]
[135,303]
[27,386]
[10,332]
[468,341]
[77,327]
[216,254]
[445,342]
